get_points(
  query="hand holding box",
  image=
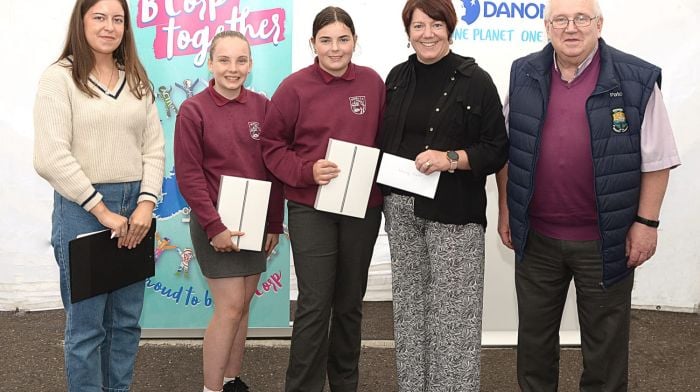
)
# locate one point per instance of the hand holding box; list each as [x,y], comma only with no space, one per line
[242,206]
[348,193]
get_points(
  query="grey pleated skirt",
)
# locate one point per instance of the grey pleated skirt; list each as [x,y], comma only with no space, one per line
[223,264]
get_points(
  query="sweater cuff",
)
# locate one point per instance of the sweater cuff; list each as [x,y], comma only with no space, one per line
[307,173]
[147,196]
[215,228]
[475,169]
[90,199]
[275,228]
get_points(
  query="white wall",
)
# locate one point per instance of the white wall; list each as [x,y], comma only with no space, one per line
[659,32]
[31,40]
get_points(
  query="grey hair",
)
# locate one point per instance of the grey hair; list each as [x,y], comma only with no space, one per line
[548,9]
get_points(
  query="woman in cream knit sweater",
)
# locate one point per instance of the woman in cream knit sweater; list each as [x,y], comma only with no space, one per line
[99,143]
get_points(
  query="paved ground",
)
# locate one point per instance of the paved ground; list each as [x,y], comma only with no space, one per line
[665,356]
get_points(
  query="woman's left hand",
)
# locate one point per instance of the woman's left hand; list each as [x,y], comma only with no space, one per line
[139,223]
[430,161]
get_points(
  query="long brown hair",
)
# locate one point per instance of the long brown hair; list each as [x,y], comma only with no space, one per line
[84,60]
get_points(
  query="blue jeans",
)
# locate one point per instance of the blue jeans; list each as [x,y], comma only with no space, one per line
[102,332]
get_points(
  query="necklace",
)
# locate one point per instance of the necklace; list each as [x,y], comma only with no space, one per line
[109,84]
[111,76]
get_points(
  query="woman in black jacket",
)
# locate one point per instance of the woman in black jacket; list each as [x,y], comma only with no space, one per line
[442,111]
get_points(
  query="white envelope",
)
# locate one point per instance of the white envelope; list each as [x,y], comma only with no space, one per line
[242,206]
[401,173]
[348,193]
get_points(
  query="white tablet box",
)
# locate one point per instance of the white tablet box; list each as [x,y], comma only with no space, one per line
[242,206]
[348,193]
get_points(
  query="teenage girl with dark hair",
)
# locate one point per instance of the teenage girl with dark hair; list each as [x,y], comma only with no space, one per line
[331,252]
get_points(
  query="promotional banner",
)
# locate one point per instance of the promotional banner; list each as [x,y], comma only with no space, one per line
[491,27]
[497,32]
[172,38]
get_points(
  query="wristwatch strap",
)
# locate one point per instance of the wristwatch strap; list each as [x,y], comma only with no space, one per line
[453,162]
[647,222]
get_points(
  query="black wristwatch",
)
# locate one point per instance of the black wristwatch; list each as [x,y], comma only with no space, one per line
[453,157]
[647,222]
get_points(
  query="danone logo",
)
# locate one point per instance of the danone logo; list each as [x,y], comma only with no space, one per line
[501,21]
[470,10]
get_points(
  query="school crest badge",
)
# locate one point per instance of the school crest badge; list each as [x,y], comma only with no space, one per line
[254,128]
[619,124]
[358,105]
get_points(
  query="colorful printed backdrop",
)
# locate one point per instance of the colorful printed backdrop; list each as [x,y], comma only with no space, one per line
[173,38]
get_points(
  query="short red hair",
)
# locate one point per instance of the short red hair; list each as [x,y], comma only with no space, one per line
[441,10]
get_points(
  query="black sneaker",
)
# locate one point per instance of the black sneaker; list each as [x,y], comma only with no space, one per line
[236,385]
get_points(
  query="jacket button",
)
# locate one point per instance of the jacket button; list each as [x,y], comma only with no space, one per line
[427,147]
[469,108]
[431,129]
[437,109]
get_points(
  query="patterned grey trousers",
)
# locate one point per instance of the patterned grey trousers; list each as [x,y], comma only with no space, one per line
[437,284]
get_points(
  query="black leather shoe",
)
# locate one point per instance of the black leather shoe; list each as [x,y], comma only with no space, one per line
[236,385]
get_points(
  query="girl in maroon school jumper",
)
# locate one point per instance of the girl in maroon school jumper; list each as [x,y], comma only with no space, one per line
[217,133]
[332,98]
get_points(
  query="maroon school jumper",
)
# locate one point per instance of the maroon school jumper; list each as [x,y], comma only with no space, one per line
[216,136]
[308,108]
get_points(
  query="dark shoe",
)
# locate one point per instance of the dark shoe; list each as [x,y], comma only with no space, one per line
[236,385]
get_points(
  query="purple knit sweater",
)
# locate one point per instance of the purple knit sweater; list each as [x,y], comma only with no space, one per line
[563,205]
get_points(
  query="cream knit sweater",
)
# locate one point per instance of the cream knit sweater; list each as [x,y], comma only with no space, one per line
[80,141]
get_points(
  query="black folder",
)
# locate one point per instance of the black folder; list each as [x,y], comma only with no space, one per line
[97,266]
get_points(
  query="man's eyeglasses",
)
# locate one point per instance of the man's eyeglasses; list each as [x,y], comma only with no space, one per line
[562,22]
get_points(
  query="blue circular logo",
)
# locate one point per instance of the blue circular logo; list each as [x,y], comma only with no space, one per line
[473,9]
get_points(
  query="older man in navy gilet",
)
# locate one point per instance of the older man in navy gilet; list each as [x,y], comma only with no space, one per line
[591,148]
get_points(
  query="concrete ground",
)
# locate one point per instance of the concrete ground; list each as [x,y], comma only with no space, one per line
[664,356]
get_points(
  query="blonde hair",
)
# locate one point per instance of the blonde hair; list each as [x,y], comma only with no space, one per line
[227,34]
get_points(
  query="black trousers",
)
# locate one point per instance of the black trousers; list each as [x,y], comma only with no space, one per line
[542,281]
[332,254]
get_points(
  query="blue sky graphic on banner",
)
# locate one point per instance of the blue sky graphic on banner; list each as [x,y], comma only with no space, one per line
[172,37]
